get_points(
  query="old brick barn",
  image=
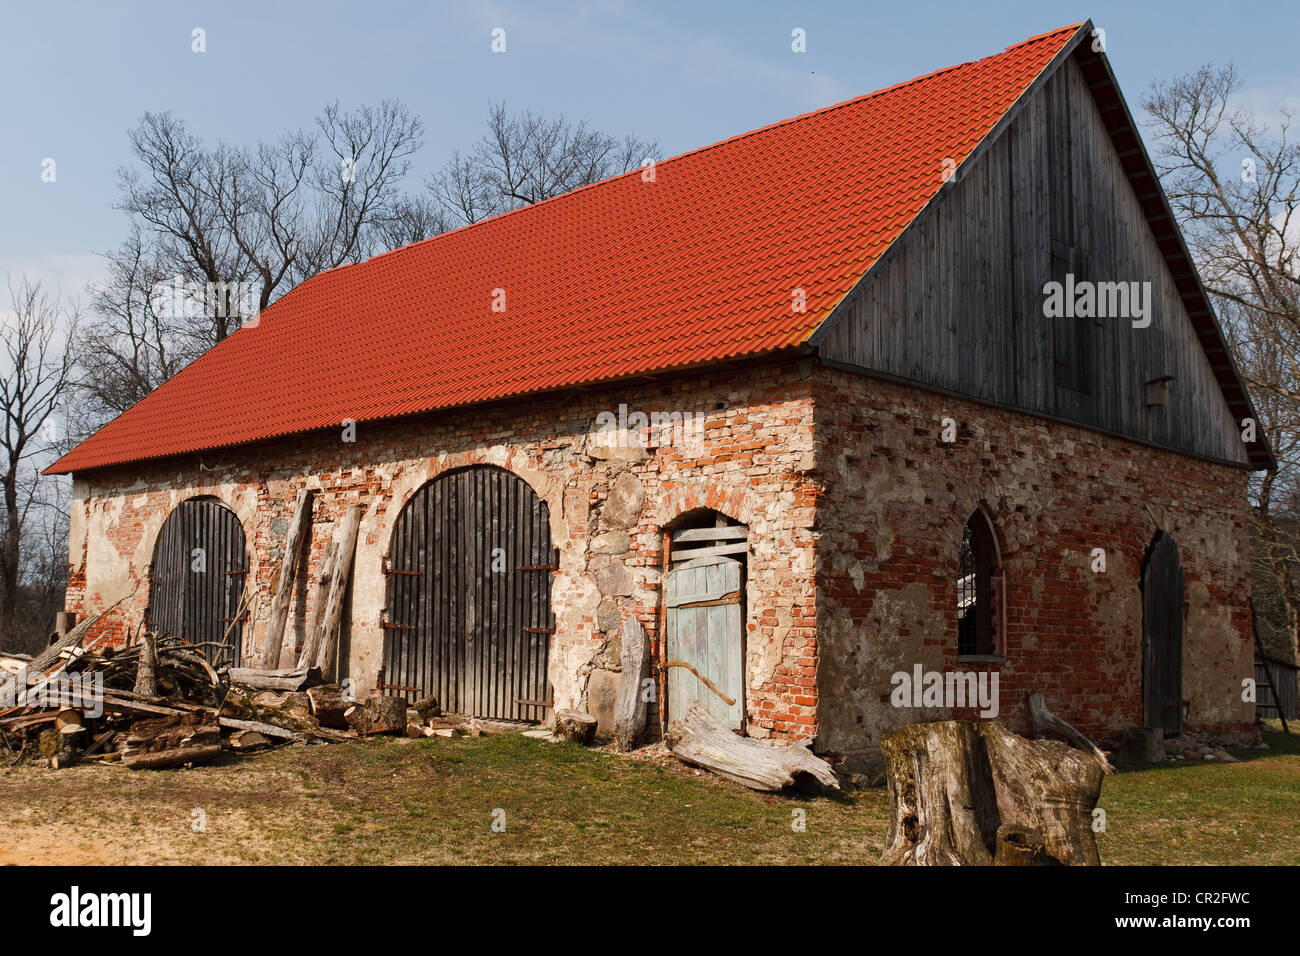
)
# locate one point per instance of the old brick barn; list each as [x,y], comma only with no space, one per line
[798,401]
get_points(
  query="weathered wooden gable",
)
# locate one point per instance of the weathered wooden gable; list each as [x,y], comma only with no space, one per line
[958,304]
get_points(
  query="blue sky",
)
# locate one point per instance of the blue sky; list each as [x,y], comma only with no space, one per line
[75,76]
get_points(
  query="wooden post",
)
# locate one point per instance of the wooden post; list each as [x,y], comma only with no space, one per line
[332,618]
[319,598]
[284,592]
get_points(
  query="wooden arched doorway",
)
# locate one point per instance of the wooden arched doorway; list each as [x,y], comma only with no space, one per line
[199,569]
[1162,637]
[468,611]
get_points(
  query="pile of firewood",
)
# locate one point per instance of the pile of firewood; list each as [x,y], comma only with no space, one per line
[161,702]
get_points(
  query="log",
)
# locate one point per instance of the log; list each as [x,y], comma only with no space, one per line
[158,743]
[328,706]
[165,759]
[11,691]
[68,720]
[249,739]
[381,714]
[288,575]
[289,678]
[1139,745]
[294,703]
[427,708]
[700,740]
[1045,720]
[146,674]
[966,793]
[630,708]
[243,708]
[269,730]
[574,726]
[332,618]
[319,598]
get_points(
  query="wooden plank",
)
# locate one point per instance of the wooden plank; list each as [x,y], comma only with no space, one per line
[331,621]
[728,533]
[275,630]
[688,554]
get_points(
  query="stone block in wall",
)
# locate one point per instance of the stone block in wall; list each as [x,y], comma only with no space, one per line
[625,501]
[611,542]
[607,614]
[611,576]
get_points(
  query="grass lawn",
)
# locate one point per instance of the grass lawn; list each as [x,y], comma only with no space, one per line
[433,801]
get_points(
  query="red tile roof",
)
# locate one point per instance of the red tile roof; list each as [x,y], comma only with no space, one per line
[616,279]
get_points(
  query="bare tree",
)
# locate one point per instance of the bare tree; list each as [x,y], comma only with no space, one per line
[219,232]
[38,368]
[226,219]
[1234,184]
[134,343]
[525,158]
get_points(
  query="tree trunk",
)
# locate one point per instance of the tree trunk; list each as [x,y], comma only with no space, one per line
[331,620]
[146,675]
[699,739]
[163,742]
[319,598]
[289,678]
[271,651]
[630,710]
[328,706]
[575,726]
[381,714]
[963,793]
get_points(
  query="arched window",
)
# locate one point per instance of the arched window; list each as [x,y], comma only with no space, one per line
[979,598]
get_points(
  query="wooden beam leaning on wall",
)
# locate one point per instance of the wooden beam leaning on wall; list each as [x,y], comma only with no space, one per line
[325,640]
[288,574]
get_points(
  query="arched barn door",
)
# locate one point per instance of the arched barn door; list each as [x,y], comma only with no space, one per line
[200,565]
[468,615]
[1162,637]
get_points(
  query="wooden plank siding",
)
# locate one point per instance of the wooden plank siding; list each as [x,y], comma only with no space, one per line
[960,306]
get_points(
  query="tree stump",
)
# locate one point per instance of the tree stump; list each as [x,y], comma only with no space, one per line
[381,714]
[963,793]
[575,726]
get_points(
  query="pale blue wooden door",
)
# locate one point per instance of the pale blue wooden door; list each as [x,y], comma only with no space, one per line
[706,630]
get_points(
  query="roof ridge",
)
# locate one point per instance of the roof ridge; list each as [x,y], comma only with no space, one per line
[861,97]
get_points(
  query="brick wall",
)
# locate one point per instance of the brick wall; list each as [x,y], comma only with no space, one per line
[752,463]
[889,528]
[853,532]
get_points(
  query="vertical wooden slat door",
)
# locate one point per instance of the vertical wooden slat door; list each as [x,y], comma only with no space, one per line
[1162,637]
[469,596]
[705,630]
[200,565]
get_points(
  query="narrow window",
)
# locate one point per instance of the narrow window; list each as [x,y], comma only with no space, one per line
[978,614]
